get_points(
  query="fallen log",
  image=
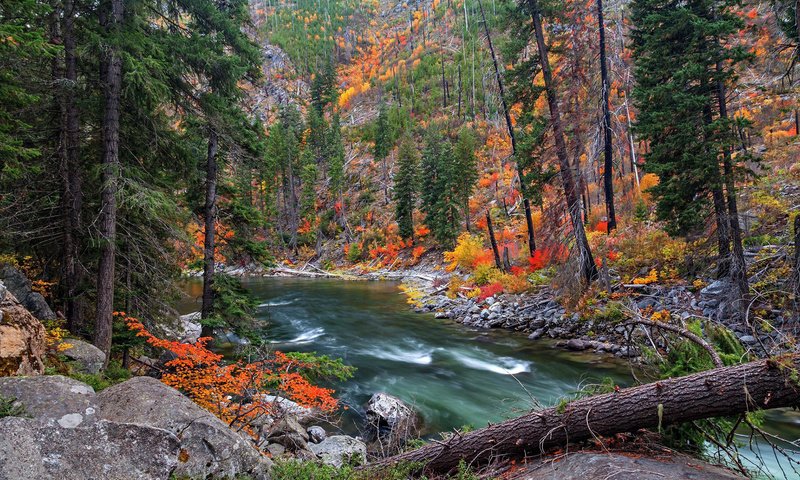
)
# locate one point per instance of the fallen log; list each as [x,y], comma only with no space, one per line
[728,391]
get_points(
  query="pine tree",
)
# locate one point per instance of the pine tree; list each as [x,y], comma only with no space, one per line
[683,65]
[383,145]
[441,179]
[406,186]
[466,168]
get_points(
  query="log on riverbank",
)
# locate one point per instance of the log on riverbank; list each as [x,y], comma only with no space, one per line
[727,391]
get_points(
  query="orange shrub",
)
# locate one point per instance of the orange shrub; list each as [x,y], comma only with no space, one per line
[203,377]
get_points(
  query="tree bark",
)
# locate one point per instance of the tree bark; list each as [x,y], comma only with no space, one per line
[72,194]
[588,270]
[111,15]
[497,261]
[738,267]
[210,211]
[723,236]
[797,267]
[720,392]
[529,221]
[499,78]
[608,172]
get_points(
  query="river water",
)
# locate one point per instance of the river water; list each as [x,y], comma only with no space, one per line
[453,375]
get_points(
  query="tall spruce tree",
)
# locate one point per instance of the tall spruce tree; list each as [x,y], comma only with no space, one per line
[405,190]
[466,168]
[684,64]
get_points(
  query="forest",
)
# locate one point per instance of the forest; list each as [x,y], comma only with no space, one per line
[229,196]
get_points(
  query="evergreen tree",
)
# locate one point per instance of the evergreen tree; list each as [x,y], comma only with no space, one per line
[335,149]
[466,168]
[441,179]
[383,145]
[405,186]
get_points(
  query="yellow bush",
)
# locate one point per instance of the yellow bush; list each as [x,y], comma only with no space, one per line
[468,248]
[485,274]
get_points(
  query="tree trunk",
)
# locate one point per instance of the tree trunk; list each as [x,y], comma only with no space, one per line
[529,221]
[738,267]
[210,211]
[493,242]
[588,270]
[797,267]
[723,236]
[499,78]
[608,178]
[714,393]
[111,13]
[72,199]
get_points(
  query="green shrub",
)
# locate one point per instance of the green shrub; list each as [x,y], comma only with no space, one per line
[10,408]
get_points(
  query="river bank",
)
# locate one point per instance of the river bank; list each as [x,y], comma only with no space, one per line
[603,326]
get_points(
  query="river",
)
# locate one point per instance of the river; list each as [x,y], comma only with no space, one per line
[453,375]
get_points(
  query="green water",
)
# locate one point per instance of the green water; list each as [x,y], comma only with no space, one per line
[453,375]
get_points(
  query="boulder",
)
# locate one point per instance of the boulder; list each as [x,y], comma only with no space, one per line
[284,407]
[104,450]
[22,339]
[387,410]
[52,400]
[189,328]
[20,287]
[338,450]
[577,345]
[209,448]
[316,434]
[289,433]
[85,357]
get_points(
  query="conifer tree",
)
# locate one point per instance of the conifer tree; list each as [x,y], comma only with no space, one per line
[383,145]
[466,168]
[406,186]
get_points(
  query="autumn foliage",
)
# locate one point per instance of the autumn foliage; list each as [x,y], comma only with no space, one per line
[235,392]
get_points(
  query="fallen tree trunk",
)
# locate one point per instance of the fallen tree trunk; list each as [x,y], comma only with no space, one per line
[720,392]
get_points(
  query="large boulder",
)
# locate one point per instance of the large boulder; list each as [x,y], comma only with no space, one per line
[104,450]
[209,448]
[389,415]
[85,357]
[52,399]
[19,286]
[22,338]
[338,450]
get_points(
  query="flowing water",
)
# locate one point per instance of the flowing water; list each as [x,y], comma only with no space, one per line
[453,375]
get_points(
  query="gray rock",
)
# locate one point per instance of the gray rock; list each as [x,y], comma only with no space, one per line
[210,448]
[86,357]
[107,450]
[537,334]
[387,410]
[289,433]
[577,345]
[748,339]
[316,434]
[189,327]
[19,286]
[52,399]
[3,291]
[716,288]
[285,407]
[338,450]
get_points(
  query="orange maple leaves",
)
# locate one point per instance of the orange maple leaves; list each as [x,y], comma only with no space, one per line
[222,387]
